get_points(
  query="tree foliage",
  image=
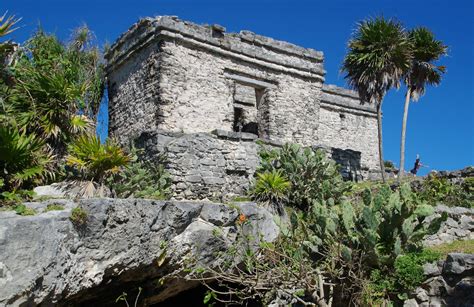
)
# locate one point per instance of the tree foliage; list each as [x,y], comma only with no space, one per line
[53,90]
[426,50]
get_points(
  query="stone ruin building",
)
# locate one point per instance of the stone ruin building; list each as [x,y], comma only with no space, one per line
[208,99]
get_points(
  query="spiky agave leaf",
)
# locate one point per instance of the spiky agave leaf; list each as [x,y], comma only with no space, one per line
[7,24]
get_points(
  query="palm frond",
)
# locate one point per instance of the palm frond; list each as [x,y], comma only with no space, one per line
[379,54]
[426,50]
[94,160]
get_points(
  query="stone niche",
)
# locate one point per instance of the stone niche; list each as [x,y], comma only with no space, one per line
[250,105]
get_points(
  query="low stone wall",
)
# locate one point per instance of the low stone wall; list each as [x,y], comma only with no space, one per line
[203,165]
[458,226]
[222,164]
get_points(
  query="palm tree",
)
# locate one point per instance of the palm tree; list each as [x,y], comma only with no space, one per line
[378,56]
[426,50]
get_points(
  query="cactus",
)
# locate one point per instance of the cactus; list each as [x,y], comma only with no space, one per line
[312,175]
[381,227]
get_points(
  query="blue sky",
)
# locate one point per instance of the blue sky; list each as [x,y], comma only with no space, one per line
[441,124]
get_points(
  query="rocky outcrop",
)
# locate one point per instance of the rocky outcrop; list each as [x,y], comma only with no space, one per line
[125,244]
[456,176]
[458,226]
[448,283]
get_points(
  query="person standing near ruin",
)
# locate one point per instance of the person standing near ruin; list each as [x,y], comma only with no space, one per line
[417,165]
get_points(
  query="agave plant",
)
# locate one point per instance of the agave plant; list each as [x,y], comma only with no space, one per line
[271,187]
[7,24]
[95,161]
[24,159]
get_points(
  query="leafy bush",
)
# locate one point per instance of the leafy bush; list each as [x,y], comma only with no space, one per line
[78,216]
[312,175]
[409,269]
[95,161]
[271,187]
[383,226]
[389,164]
[141,179]
[24,210]
[54,90]
[341,252]
[436,189]
[24,160]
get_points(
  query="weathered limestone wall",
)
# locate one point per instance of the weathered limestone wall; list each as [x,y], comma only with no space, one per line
[134,94]
[197,96]
[202,165]
[345,123]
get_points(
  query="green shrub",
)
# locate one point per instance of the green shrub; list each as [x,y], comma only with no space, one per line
[24,160]
[78,216]
[389,164]
[436,189]
[271,187]
[377,289]
[141,179]
[95,161]
[54,207]
[15,197]
[383,226]
[24,210]
[312,175]
[409,269]
[363,252]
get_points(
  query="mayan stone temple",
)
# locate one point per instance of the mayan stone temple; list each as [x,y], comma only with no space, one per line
[207,100]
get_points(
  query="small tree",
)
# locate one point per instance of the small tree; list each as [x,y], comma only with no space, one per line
[53,90]
[426,50]
[378,56]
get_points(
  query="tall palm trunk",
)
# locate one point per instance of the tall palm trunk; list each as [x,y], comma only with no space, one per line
[401,173]
[379,128]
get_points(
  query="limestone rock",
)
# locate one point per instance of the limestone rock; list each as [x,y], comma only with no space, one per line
[459,264]
[72,189]
[453,285]
[125,244]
